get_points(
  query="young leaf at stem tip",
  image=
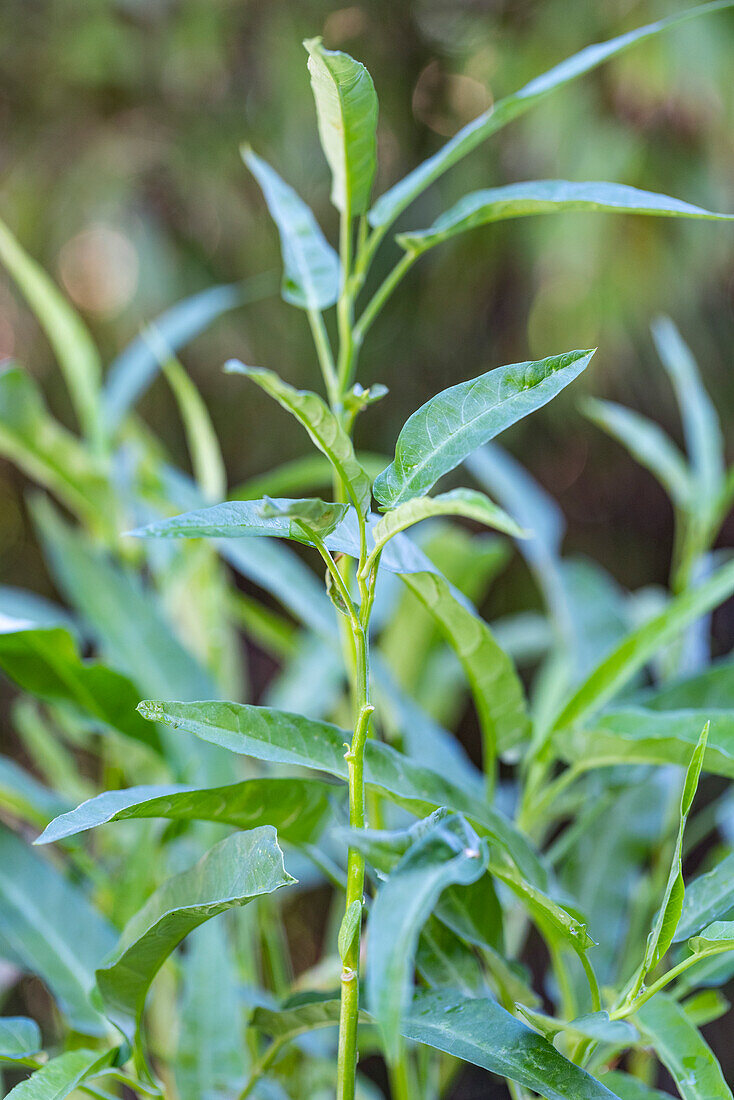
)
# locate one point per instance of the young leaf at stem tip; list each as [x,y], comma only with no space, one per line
[346,105]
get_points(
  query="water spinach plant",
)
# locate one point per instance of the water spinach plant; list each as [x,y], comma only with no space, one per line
[566,850]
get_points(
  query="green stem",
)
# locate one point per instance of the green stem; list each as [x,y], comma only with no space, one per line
[325,357]
[347,1057]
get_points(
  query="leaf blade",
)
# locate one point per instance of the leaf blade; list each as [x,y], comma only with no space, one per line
[311,268]
[444,431]
[234,872]
[346,106]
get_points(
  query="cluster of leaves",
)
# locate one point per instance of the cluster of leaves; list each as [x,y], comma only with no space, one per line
[347,768]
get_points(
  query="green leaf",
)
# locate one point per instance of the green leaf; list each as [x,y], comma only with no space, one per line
[706,1006]
[718,937]
[394,201]
[349,927]
[244,866]
[324,428]
[480,1031]
[448,854]
[51,930]
[596,1026]
[47,452]
[242,519]
[638,647]
[282,518]
[286,738]
[73,346]
[707,898]
[442,959]
[19,1038]
[496,688]
[648,444]
[62,1076]
[46,663]
[295,807]
[668,915]
[311,269]
[346,105]
[518,200]
[682,1050]
[444,431]
[635,736]
[210,1053]
[701,425]
[459,502]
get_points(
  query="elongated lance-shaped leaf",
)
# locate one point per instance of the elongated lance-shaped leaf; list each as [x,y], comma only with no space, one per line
[295,807]
[311,269]
[708,898]
[618,668]
[63,1075]
[280,518]
[682,1049]
[627,1087]
[701,425]
[46,663]
[346,105]
[648,444]
[244,866]
[519,200]
[717,938]
[467,503]
[633,735]
[325,430]
[394,201]
[479,1031]
[448,854]
[667,917]
[285,738]
[496,688]
[47,452]
[334,524]
[130,374]
[444,431]
[19,1038]
[68,335]
[51,930]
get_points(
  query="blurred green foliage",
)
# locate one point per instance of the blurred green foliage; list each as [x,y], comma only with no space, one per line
[121,122]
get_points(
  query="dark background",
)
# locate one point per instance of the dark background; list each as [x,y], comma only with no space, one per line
[120,122]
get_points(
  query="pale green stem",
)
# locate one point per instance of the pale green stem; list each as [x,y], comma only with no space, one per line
[325,356]
[347,1056]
